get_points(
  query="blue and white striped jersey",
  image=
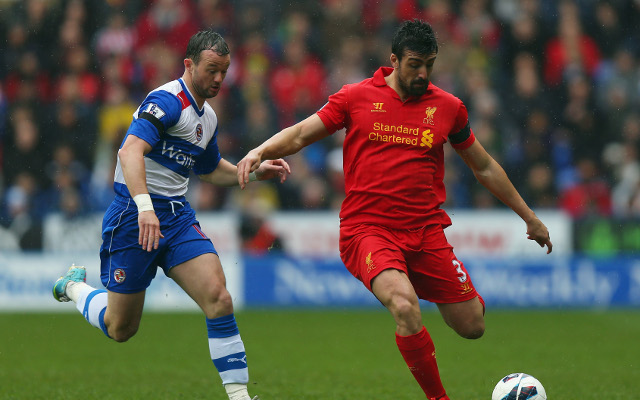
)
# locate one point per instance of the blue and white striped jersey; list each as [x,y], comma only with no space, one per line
[182,138]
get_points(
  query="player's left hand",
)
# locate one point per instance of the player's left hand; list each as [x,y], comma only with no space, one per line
[537,231]
[249,163]
[273,169]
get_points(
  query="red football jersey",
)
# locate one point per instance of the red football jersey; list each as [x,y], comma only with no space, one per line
[393,151]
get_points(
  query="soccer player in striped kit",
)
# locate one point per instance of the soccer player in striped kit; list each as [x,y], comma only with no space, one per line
[150,224]
[391,224]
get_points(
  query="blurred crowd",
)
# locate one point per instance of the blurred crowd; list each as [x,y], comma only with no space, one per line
[552,88]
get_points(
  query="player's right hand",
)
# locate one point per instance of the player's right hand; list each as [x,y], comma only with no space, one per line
[538,232]
[248,164]
[149,236]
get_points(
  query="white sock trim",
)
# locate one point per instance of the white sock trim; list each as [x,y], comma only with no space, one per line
[237,391]
[75,289]
[98,303]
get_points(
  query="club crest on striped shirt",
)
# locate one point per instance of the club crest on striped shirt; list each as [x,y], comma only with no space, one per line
[199,132]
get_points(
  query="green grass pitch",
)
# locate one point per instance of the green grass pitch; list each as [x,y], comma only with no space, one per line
[313,354]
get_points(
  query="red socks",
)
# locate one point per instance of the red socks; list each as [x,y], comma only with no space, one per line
[419,353]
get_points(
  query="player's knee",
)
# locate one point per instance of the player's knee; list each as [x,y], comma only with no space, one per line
[224,300]
[220,295]
[402,306]
[218,301]
[405,311]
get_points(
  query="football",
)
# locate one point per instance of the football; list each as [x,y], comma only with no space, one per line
[519,386]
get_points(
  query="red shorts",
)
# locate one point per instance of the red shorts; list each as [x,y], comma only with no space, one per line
[423,254]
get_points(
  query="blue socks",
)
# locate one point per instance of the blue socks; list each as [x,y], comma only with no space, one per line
[92,303]
[227,350]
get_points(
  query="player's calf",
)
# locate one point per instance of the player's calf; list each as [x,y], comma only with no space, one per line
[465,318]
[122,333]
[473,330]
[120,329]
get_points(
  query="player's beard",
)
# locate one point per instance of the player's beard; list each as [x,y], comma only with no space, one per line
[203,91]
[414,88]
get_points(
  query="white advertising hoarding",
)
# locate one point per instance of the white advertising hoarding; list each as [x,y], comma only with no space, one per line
[503,234]
[499,233]
[315,234]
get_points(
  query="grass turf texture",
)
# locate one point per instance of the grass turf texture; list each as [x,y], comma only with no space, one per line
[308,355]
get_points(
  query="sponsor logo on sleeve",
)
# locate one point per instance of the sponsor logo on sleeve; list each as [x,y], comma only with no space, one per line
[155,110]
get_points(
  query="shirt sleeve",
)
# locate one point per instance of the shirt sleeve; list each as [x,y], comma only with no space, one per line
[208,161]
[334,113]
[461,136]
[159,111]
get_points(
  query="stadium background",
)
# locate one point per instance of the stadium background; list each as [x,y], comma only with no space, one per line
[552,89]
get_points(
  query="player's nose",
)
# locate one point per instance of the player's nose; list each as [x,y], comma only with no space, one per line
[218,77]
[423,73]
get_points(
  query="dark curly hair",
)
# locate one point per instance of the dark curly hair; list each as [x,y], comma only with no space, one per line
[206,40]
[416,36]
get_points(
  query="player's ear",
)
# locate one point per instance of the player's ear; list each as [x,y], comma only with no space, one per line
[188,64]
[394,60]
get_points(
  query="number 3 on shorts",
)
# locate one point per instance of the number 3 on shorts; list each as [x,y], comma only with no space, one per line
[463,275]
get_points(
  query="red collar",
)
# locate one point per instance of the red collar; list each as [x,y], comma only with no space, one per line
[380,74]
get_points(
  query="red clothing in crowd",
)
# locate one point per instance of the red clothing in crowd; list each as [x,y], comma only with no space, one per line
[587,199]
[151,28]
[298,86]
[556,59]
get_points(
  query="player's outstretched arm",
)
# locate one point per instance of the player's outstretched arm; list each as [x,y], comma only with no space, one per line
[492,176]
[286,142]
[226,174]
[271,169]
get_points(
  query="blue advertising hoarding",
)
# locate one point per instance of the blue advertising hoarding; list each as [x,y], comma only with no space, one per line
[298,281]
[301,281]
[571,281]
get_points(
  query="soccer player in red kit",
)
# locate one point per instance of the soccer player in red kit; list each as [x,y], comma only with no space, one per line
[391,224]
